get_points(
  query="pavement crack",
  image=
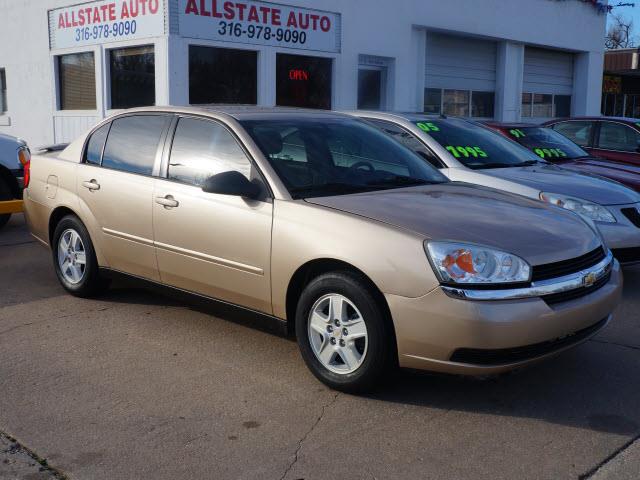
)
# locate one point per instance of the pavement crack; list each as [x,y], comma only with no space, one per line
[306,435]
[617,452]
[44,465]
[632,347]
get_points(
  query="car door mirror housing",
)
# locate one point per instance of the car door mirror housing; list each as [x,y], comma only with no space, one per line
[231,183]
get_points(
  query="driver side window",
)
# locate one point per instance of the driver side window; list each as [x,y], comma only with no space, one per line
[201,149]
[616,136]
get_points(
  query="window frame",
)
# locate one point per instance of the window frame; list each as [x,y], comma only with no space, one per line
[163,173]
[553,103]
[170,116]
[108,74]
[57,83]
[596,137]
[469,103]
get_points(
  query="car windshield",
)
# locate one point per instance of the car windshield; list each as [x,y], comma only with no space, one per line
[547,143]
[324,156]
[475,146]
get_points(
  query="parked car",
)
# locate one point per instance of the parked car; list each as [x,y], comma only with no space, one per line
[320,222]
[469,152]
[558,149]
[613,138]
[14,155]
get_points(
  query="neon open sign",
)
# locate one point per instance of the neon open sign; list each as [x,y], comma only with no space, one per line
[298,74]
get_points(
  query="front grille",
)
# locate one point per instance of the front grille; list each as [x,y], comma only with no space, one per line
[633,215]
[567,267]
[505,356]
[577,293]
[627,255]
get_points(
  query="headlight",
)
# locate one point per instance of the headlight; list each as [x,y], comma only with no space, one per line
[587,209]
[464,263]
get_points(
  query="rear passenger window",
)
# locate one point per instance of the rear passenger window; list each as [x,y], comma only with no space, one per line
[203,148]
[93,154]
[578,132]
[133,143]
[616,136]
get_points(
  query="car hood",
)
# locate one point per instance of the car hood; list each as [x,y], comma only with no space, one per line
[553,179]
[537,232]
[621,172]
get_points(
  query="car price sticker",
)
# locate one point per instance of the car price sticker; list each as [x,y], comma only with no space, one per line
[428,126]
[466,152]
[549,152]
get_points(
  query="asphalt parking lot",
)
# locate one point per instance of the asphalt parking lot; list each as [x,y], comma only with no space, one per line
[135,385]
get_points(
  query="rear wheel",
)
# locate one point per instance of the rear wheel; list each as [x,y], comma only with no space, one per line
[5,194]
[343,333]
[74,258]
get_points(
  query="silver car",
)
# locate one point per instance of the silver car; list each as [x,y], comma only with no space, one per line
[466,151]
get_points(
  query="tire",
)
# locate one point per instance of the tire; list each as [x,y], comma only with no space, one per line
[342,369]
[87,283]
[5,194]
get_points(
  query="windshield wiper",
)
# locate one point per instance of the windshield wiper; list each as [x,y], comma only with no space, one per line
[482,166]
[529,163]
[334,187]
[400,181]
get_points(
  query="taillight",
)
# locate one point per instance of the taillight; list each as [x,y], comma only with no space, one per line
[24,156]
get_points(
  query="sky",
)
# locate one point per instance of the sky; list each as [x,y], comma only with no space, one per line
[629,12]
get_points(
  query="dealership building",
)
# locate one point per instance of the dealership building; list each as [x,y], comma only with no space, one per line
[66,65]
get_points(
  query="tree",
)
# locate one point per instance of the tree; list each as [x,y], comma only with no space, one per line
[620,33]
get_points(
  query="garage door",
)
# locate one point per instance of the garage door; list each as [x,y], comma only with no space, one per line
[460,75]
[547,83]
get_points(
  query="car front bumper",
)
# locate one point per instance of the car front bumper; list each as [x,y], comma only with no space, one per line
[622,236]
[477,337]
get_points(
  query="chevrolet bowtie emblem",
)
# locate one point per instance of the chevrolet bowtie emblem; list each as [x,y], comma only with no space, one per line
[589,279]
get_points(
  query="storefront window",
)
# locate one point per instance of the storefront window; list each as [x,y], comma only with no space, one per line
[133,79]
[303,81]
[369,89]
[432,100]
[482,104]
[222,75]
[542,105]
[562,105]
[456,103]
[77,81]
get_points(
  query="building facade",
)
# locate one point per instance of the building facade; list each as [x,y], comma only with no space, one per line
[64,66]
[621,83]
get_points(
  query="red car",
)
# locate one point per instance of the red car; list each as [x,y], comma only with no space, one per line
[613,138]
[556,148]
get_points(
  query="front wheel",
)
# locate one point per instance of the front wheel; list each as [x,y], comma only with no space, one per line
[74,258]
[343,332]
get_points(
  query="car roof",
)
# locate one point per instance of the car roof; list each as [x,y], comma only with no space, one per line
[242,112]
[493,124]
[617,119]
[410,116]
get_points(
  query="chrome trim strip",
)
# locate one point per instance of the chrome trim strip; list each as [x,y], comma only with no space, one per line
[210,258]
[127,236]
[538,289]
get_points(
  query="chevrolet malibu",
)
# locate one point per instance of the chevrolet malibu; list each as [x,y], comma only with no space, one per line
[469,152]
[320,222]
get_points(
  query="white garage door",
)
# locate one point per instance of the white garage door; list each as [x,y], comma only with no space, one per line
[547,84]
[460,75]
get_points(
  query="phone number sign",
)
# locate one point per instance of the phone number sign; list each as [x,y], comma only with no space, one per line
[105,21]
[260,23]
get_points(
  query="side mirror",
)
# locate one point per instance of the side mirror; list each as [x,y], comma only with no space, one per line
[231,183]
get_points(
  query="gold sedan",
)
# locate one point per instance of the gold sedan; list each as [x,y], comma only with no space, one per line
[320,222]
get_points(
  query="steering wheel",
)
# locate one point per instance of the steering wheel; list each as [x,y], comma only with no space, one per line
[357,165]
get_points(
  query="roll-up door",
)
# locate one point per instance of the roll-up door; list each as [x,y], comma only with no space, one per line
[547,83]
[460,76]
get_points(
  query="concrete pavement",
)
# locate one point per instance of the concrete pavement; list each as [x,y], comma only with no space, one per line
[135,385]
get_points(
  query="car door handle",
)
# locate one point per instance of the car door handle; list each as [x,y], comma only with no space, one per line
[91,184]
[167,201]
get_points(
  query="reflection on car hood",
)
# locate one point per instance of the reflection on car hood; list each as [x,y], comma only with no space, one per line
[553,179]
[460,212]
[621,172]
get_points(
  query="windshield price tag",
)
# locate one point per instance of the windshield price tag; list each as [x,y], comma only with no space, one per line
[549,152]
[428,126]
[466,152]
[516,132]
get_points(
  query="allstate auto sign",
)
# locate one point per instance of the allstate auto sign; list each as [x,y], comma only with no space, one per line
[105,21]
[260,23]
